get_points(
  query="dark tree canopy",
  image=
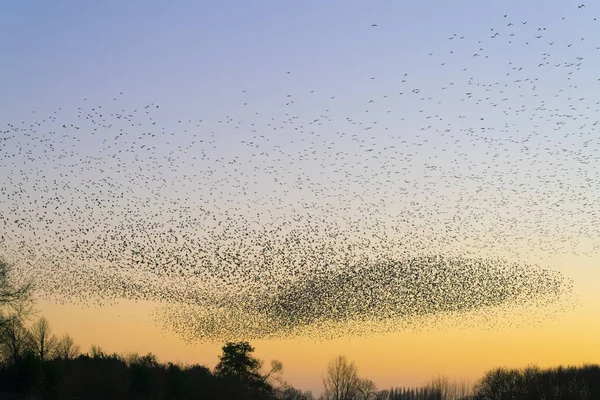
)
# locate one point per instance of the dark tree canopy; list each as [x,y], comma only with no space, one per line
[237,362]
[237,365]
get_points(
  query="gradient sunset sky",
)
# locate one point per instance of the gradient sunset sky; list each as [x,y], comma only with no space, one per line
[244,60]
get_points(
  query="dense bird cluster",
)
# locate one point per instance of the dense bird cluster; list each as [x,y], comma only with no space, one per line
[322,210]
[370,298]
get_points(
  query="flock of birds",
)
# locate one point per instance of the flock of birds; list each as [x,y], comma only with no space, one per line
[316,217]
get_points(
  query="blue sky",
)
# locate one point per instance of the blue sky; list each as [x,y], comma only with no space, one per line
[212,61]
[205,52]
[430,77]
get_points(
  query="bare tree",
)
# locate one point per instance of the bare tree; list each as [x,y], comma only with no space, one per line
[66,348]
[450,390]
[15,340]
[15,299]
[341,380]
[97,352]
[276,367]
[43,340]
[15,305]
[366,389]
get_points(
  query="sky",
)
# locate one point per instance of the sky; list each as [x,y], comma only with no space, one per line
[493,135]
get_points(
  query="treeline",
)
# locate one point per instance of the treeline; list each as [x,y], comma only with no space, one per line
[97,375]
[37,365]
[560,383]
[439,388]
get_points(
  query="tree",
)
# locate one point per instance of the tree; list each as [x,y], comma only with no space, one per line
[66,348]
[15,340]
[176,382]
[276,367]
[366,389]
[141,369]
[149,360]
[237,364]
[15,299]
[44,342]
[12,295]
[341,380]
[96,352]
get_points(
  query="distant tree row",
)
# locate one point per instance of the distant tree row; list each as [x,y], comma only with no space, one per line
[39,366]
[560,383]
[437,389]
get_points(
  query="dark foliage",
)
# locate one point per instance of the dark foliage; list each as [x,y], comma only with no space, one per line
[101,376]
[564,383]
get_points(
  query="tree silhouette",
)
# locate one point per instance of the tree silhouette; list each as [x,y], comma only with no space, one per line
[44,342]
[276,367]
[563,383]
[66,348]
[142,371]
[177,382]
[13,296]
[15,305]
[366,390]
[15,340]
[237,362]
[238,366]
[97,352]
[341,380]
